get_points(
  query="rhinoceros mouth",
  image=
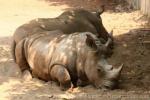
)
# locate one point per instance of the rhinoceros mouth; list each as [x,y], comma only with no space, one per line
[109,84]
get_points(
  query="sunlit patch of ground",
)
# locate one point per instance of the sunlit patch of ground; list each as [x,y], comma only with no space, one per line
[123,22]
[16,12]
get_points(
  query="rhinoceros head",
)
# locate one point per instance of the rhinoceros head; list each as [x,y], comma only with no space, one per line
[108,75]
[104,35]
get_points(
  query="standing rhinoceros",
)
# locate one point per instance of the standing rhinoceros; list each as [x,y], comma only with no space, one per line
[78,20]
[66,58]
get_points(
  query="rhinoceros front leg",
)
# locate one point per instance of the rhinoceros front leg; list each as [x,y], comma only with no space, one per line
[82,79]
[21,61]
[60,73]
[81,82]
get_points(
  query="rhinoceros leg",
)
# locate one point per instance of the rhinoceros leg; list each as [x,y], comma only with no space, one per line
[26,75]
[21,60]
[59,73]
[81,82]
[82,79]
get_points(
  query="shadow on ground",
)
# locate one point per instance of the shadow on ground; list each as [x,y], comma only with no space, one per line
[86,4]
[133,49]
[93,5]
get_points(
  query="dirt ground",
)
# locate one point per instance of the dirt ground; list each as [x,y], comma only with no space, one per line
[132,47]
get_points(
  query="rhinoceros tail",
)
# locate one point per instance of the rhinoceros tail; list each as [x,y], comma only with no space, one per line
[13,46]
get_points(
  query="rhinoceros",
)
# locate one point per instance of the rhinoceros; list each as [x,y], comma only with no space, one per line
[67,59]
[78,20]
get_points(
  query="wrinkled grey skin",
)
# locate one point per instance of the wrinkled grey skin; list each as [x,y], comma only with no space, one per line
[78,20]
[66,58]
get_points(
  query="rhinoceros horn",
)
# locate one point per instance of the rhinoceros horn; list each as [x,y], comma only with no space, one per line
[114,73]
[108,42]
[110,39]
[111,33]
[99,12]
[105,46]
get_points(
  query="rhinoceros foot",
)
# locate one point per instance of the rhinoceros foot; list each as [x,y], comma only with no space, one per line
[26,75]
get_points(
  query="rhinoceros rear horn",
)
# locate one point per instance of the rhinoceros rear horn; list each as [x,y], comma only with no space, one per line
[108,42]
[100,11]
[91,42]
[111,33]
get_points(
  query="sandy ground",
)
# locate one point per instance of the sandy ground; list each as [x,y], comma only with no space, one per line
[131,48]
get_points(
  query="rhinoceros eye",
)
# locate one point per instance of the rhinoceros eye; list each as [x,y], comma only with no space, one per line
[100,69]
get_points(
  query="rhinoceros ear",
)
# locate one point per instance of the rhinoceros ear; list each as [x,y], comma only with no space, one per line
[91,42]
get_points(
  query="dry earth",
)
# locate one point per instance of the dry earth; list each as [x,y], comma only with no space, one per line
[131,48]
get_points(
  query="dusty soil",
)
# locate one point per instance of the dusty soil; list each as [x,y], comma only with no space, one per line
[132,48]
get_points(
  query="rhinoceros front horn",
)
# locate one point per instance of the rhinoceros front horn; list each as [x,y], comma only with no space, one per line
[115,73]
[119,69]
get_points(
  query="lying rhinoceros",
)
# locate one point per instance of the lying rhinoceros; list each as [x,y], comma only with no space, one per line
[78,20]
[67,59]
